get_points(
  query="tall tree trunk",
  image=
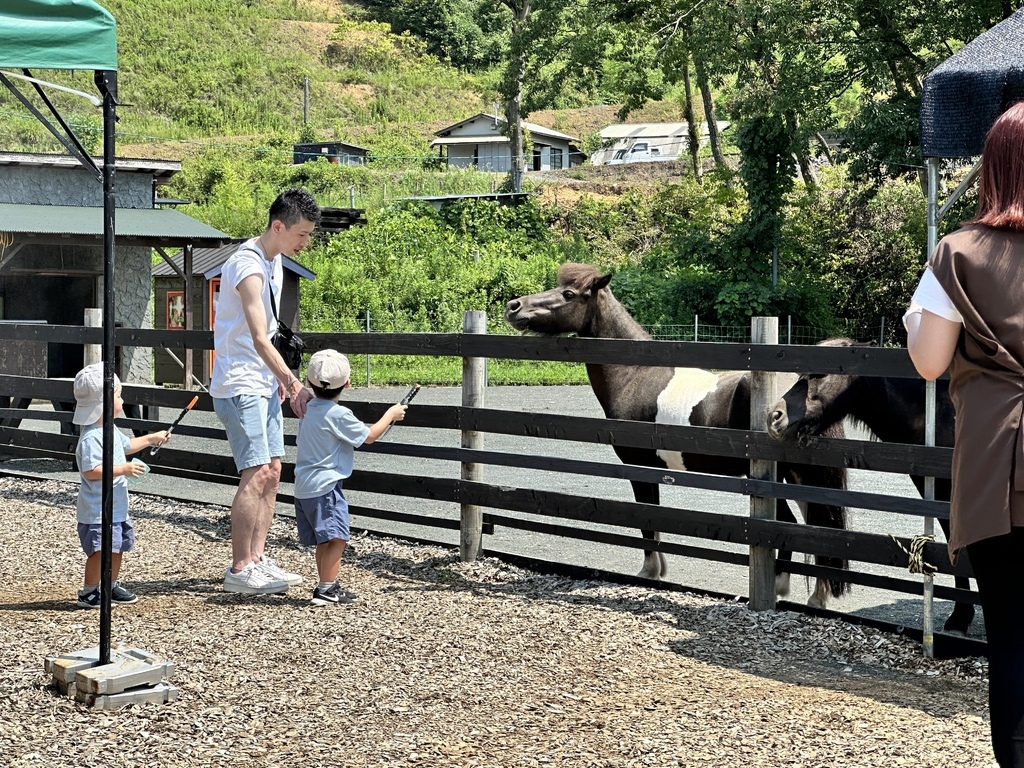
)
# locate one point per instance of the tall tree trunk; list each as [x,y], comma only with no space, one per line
[709,111]
[801,151]
[824,147]
[514,106]
[693,132]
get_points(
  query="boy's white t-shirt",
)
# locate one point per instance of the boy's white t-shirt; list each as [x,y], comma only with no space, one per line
[237,368]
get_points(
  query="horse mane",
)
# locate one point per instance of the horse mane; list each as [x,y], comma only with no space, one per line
[577,274]
[844,341]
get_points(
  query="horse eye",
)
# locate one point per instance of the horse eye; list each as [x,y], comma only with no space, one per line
[568,295]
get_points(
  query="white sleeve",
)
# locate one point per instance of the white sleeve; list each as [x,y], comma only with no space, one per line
[930,295]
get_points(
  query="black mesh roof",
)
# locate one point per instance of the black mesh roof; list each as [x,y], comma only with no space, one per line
[965,94]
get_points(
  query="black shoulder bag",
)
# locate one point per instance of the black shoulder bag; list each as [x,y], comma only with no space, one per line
[285,340]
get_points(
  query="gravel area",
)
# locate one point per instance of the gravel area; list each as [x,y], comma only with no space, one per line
[441,663]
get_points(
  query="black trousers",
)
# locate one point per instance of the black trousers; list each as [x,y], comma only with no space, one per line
[997,567]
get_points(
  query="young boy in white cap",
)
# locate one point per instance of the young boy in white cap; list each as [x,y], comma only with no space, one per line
[328,435]
[89,455]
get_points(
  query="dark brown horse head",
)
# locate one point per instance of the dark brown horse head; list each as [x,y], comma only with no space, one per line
[569,307]
[815,403]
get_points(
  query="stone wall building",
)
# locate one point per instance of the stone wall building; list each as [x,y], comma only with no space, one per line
[51,248]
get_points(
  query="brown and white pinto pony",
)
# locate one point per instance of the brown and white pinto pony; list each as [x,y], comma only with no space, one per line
[582,303]
[892,408]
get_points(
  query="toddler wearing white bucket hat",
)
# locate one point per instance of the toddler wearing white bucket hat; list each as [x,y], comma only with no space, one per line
[89,394]
[89,509]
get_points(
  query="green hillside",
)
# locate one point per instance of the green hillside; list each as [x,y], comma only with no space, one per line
[202,72]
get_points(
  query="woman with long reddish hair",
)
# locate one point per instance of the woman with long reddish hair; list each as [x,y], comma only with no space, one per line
[967,315]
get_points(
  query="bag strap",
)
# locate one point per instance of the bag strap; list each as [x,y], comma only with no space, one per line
[270,280]
[273,304]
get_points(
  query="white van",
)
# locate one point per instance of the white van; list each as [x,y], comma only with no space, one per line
[640,152]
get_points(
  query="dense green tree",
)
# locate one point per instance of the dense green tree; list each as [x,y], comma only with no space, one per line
[464,32]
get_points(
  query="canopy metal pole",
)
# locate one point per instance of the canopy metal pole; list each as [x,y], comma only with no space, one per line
[106,81]
[927,617]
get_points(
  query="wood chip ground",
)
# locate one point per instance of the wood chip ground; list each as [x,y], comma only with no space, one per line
[443,664]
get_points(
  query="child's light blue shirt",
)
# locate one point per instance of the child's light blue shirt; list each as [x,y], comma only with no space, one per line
[328,435]
[89,455]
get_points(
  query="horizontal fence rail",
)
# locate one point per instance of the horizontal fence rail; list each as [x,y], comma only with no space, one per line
[564,515]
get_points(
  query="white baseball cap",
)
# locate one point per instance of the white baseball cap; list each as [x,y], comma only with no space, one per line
[89,394]
[328,369]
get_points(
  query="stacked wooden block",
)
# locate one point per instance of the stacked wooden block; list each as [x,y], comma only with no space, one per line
[133,676]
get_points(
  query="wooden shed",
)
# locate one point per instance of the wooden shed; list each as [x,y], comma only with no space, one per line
[169,309]
[337,152]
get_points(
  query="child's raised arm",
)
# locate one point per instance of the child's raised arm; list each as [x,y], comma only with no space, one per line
[148,441]
[395,413]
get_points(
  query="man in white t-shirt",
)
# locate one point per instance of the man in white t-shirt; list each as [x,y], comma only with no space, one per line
[250,381]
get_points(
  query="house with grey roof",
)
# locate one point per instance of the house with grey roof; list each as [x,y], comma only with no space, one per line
[479,142]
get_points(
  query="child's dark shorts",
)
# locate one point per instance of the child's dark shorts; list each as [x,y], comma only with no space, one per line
[322,518]
[122,537]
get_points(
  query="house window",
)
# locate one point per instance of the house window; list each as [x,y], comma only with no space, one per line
[556,159]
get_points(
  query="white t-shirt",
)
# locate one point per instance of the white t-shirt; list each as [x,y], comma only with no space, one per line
[932,296]
[237,369]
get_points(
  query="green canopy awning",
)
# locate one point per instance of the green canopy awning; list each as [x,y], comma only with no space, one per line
[56,34]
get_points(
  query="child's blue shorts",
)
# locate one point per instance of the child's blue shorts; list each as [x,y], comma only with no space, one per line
[122,537]
[322,518]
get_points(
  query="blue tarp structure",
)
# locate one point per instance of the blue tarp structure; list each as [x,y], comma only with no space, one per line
[963,96]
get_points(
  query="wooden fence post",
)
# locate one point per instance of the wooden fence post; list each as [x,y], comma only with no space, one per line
[474,384]
[763,330]
[92,353]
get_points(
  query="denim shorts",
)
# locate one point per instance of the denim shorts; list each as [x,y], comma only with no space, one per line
[254,426]
[122,537]
[322,518]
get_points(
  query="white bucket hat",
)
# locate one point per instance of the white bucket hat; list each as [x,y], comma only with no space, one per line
[89,394]
[328,369]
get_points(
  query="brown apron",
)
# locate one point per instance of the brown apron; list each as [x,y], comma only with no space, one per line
[982,271]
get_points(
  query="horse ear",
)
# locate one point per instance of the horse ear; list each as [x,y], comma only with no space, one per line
[601,282]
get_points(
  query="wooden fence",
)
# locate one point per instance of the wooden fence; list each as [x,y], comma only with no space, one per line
[563,514]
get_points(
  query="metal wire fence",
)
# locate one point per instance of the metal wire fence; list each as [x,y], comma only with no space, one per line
[788,333]
[882,333]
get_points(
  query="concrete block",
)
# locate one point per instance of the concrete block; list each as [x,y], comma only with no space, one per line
[63,668]
[119,675]
[79,673]
[160,693]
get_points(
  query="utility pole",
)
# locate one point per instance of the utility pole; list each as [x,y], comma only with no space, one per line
[305,100]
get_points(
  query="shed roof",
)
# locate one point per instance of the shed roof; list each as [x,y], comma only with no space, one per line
[963,96]
[161,170]
[348,144]
[453,140]
[84,225]
[533,128]
[210,262]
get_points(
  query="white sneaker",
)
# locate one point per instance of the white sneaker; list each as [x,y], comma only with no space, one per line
[253,580]
[277,573]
